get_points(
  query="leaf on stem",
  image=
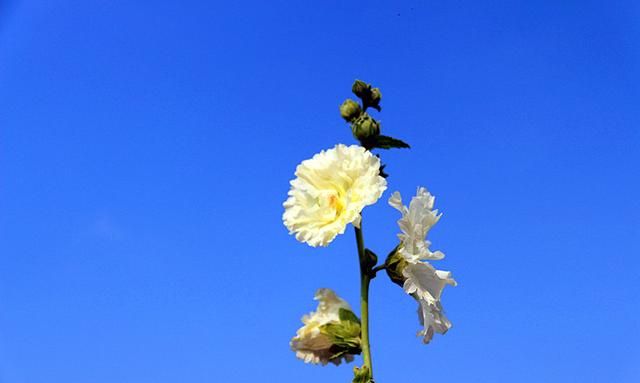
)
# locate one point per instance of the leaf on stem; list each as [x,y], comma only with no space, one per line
[386,142]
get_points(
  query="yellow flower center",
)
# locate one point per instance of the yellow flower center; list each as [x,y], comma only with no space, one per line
[336,203]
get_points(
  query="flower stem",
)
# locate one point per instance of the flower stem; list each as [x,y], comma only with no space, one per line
[365,278]
[375,270]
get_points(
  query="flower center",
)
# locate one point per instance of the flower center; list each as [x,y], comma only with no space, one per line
[336,204]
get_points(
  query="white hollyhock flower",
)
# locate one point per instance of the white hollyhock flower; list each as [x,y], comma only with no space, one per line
[421,280]
[415,224]
[310,343]
[330,191]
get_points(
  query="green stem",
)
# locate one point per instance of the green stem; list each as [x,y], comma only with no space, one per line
[365,278]
[375,270]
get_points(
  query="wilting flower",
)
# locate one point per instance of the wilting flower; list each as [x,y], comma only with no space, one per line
[415,224]
[330,191]
[329,334]
[420,279]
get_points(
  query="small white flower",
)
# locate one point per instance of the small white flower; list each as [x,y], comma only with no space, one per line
[421,280]
[311,344]
[415,224]
[330,191]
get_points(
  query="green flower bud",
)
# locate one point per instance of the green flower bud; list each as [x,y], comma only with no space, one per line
[350,110]
[370,96]
[360,88]
[364,127]
[361,375]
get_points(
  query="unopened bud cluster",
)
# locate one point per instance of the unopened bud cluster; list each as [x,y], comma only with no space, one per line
[363,126]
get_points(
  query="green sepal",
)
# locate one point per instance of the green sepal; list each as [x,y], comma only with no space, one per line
[345,334]
[348,316]
[394,264]
[361,375]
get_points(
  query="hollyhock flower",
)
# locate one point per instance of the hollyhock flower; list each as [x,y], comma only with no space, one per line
[329,192]
[419,278]
[313,343]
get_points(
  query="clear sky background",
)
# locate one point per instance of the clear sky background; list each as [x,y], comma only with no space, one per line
[146,149]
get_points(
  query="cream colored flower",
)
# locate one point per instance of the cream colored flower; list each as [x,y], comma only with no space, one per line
[330,191]
[313,345]
[415,224]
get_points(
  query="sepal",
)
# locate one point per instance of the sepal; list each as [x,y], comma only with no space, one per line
[394,265]
[343,334]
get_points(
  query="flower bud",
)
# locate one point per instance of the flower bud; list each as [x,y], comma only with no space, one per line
[360,88]
[364,127]
[370,96]
[350,110]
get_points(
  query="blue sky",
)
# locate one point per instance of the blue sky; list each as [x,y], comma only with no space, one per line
[146,149]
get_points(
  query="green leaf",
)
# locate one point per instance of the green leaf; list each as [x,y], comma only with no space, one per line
[386,142]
